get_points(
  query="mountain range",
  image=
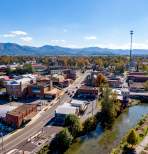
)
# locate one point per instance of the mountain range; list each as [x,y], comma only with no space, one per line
[15,49]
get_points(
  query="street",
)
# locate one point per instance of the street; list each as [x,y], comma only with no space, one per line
[21,135]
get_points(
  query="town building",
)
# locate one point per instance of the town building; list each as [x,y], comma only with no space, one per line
[3,68]
[138,76]
[4,109]
[55,69]
[38,89]
[136,87]
[20,115]
[70,74]
[40,68]
[53,93]
[86,92]
[115,82]
[62,111]
[17,88]
[60,81]
[82,105]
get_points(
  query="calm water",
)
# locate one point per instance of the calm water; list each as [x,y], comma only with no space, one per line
[100,142]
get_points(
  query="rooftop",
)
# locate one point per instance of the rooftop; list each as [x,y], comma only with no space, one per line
[21,109]
[6,108]
[66,108]
[53,91]
[77,102]
[18,81]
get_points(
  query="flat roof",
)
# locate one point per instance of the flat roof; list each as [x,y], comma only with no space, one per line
[53,91]
[21,109]
[77,102]
[66,108]
[4,109]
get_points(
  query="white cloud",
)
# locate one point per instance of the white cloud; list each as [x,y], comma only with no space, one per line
[90,37]
[19,33]
[13,34]
[26,39]
[9,35]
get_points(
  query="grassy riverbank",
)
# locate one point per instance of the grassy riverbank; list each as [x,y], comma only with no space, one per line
[141,130]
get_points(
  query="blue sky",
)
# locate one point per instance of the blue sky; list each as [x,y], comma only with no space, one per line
[74,23]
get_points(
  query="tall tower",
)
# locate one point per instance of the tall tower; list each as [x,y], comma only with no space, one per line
[131,45]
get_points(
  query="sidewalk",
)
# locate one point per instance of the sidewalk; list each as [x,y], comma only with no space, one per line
[142,145]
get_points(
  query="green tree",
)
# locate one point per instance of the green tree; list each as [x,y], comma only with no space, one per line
[28,68]
[132,138]
[61,142]
[117,104]
[108,112]
[72,122]
[90,124]
[9,71]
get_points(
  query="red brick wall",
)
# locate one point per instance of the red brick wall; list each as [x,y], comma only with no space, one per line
[17,120]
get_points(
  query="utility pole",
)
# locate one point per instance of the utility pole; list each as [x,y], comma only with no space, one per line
[131,45]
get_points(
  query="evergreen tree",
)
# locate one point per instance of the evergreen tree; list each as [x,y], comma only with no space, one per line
[132,138]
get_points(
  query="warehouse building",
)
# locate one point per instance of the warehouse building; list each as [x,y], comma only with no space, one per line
[21,115]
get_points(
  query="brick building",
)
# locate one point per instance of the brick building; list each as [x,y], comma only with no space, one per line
[17,88]
[38,89]
[20,115]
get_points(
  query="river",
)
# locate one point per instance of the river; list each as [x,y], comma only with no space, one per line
[102,142]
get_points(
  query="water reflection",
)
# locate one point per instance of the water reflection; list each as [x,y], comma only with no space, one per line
[99,142]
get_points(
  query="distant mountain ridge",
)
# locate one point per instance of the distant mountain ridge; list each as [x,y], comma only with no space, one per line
[15,49]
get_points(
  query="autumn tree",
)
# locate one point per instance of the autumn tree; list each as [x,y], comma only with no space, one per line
[100,80]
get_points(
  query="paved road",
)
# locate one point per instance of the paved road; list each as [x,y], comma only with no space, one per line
[22,135]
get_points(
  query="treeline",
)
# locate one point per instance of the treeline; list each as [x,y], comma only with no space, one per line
[114,62]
